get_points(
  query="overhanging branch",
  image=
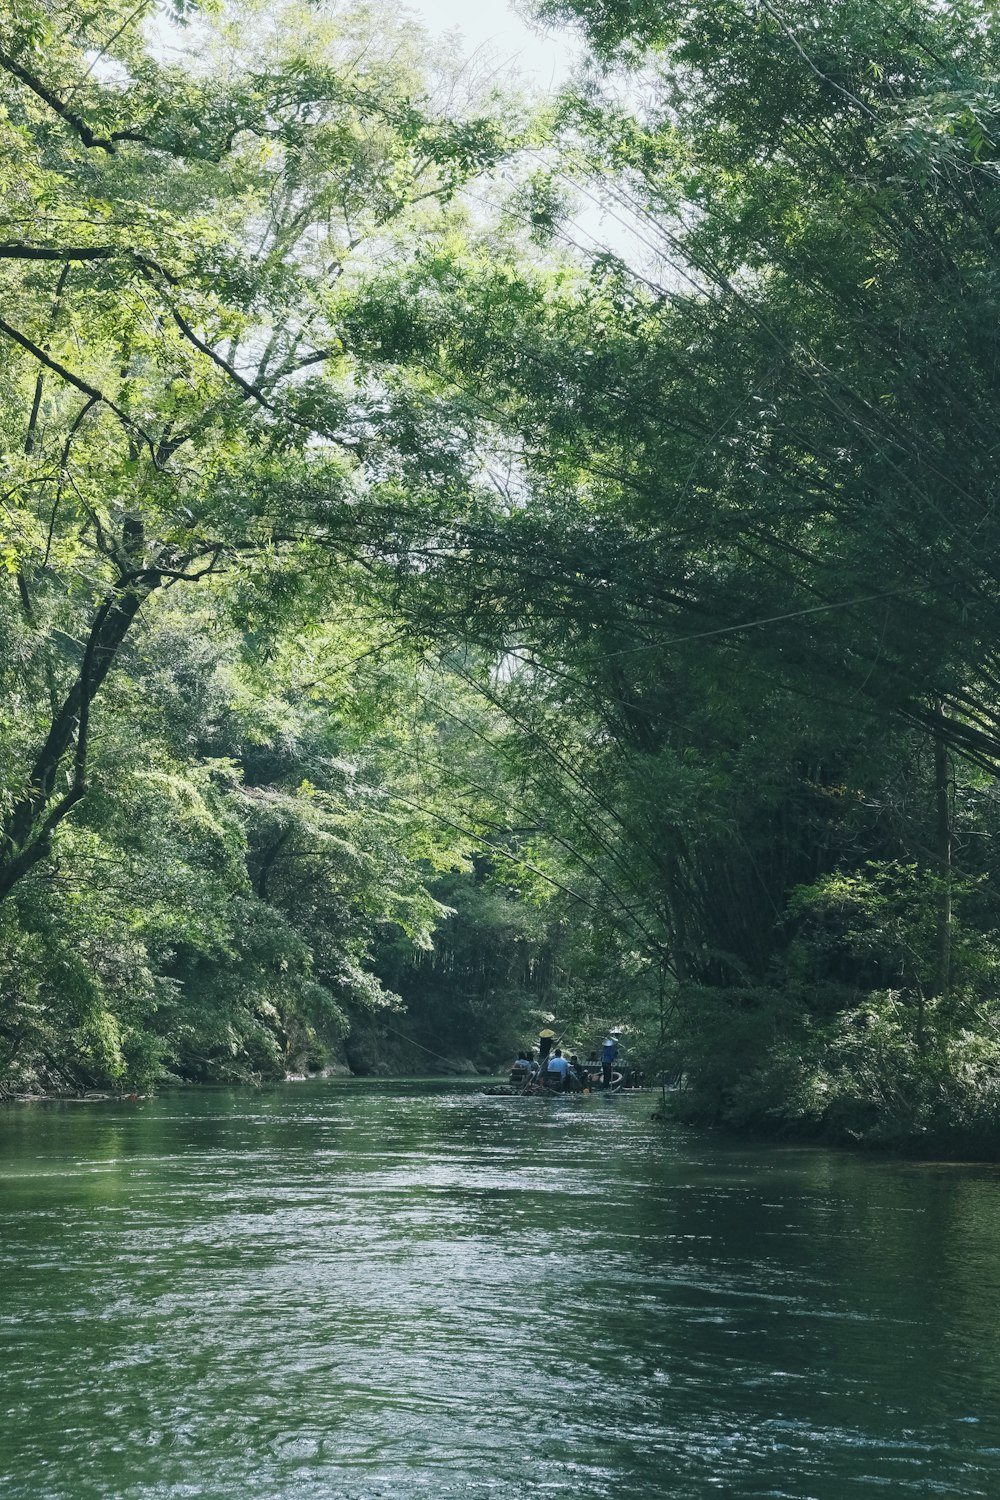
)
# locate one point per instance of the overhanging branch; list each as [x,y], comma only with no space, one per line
[56,252]
[76,123]
[76,381]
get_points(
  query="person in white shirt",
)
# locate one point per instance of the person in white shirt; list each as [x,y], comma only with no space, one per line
[520,1070]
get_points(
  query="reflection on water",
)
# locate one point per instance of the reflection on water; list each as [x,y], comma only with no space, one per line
[345,1291]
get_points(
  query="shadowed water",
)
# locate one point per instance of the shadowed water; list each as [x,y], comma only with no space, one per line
[337,1291]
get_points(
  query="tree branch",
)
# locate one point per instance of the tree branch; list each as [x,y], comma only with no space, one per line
[15,251]
[68,116]
[75,381]
[245,386]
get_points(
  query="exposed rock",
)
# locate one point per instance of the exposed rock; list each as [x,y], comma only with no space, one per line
[331,1070]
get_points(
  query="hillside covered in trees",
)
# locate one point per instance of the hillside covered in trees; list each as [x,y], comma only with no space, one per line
[469,558]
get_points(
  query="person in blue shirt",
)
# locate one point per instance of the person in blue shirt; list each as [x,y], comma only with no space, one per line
[556,1071]
[609,1055]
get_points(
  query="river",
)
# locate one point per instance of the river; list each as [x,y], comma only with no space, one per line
[344,1291]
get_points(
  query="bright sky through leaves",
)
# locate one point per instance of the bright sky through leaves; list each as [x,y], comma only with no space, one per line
[540,58]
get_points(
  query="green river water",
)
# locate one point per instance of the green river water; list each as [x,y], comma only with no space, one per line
[405,1290]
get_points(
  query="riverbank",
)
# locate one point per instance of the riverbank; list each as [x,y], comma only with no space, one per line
[891,1135]
[370,1050]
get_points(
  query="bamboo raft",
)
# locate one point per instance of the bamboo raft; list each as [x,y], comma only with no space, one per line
[621,1083]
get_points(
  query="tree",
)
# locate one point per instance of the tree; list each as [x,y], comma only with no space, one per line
[178,398]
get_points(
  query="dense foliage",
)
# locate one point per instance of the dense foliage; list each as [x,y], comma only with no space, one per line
[409,597]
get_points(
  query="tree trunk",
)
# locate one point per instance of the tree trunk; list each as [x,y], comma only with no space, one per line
[27,830]
[943,853]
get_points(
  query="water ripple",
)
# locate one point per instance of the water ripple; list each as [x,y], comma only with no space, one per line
[342,1292]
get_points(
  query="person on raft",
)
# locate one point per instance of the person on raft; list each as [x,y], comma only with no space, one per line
[545,1040]
[521,1069]
[609,1055]
[556,1072]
